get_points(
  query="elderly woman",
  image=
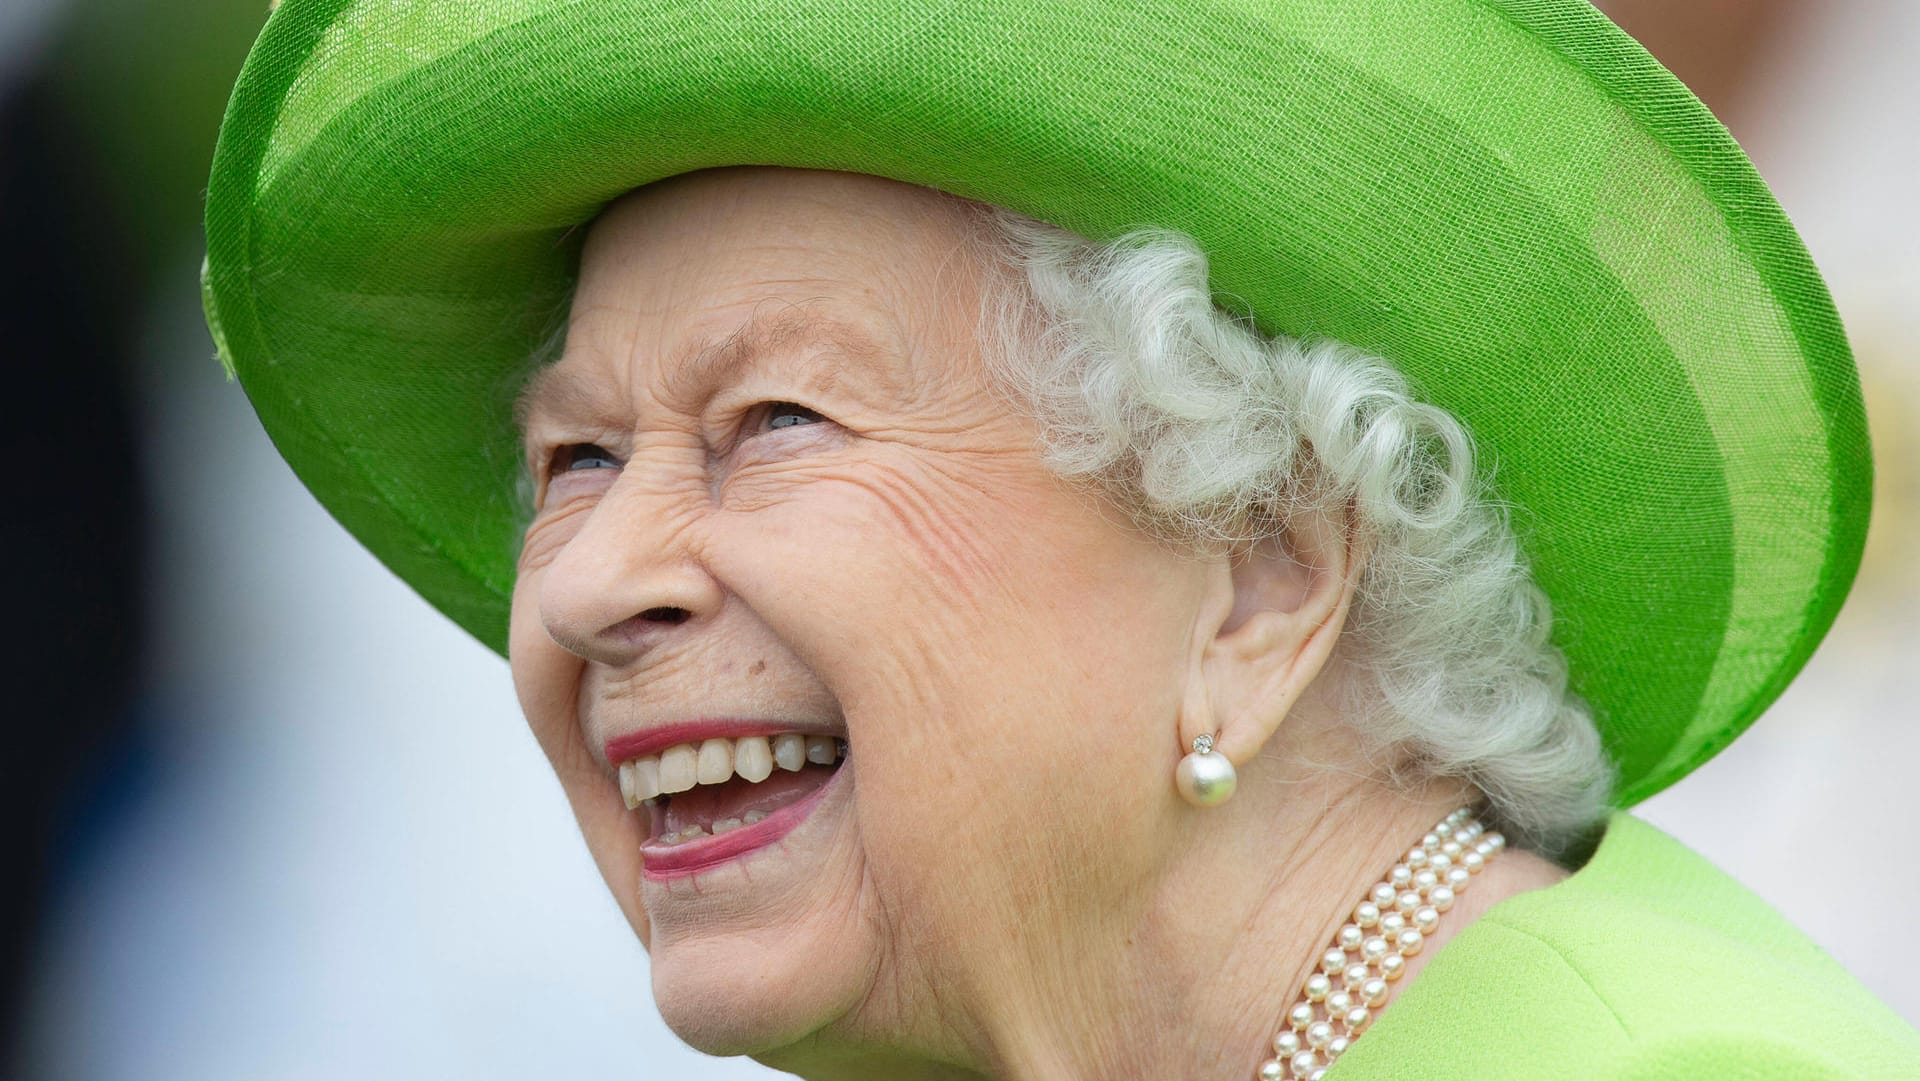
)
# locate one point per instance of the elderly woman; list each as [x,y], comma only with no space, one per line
[1025,530]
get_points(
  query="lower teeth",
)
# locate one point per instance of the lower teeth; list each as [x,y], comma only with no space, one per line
[722,826]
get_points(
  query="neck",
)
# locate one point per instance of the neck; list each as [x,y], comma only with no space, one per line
[1196,977]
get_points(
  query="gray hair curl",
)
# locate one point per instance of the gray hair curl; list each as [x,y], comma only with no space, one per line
[1207,431]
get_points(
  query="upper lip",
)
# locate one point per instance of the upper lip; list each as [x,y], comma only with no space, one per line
[647,741]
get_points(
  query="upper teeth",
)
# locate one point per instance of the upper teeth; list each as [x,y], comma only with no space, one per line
[715,761]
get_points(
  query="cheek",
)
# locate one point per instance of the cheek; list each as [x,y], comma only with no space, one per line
[545,677]
[886,578]
[996,640]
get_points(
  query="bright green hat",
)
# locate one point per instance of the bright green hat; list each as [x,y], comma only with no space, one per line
[1507,198]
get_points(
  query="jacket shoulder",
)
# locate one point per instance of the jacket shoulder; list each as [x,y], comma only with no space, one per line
[1699,976]
[1742,1056]
[1646,964]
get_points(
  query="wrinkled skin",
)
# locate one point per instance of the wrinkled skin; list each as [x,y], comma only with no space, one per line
[1016,669]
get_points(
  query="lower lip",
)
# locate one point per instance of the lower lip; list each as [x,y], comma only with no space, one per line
[663,862]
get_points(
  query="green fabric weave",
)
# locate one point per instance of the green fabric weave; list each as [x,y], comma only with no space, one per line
[1506,198]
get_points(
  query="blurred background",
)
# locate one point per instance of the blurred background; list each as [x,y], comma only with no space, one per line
[272,817]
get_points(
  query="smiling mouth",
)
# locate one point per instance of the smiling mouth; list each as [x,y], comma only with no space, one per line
[713,800]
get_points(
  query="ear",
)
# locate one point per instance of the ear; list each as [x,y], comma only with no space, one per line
[1269,624]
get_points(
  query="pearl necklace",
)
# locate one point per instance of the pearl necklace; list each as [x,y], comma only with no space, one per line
[1389,926]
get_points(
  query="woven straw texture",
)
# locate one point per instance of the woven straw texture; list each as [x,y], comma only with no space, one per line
[1507,198]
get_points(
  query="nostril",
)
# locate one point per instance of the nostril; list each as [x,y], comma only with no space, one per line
[622,642]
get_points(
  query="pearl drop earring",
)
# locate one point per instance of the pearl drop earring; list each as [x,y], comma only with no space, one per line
[1205,777]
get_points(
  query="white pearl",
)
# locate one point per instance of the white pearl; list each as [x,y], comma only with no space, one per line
[1301,1016]
[1400,876]
[1318,987]
[1416,859]
[1392,924]
[1338,1003]
[1458,878]
[1410,942]
[1358,1019]
[1442,898]
[1318,1075]
[1338,1047]
[1356,975]
[1439,863]
[1430,842]
[1383,895]
[1366,914]
[1393,967]
[1272,1070]
[1426,918]
[1374,992]
[1333,961]
[1409,901]
[1425,881]
[1350,937]
[1319,1034]
[1205,780]
[1485,848]
[1286,1043]
[1497,841]
[1304,1063]
[1444,829]
[1474,862]
[1373,949]
[1451,850]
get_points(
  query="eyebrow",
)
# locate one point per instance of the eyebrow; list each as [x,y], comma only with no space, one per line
[793,325]
[553,389]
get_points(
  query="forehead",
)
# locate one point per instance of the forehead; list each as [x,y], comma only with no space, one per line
[683,289]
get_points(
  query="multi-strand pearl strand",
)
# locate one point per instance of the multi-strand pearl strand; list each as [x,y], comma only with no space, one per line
[1370,952]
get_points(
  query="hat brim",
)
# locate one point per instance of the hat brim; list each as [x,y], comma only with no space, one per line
[1509,199]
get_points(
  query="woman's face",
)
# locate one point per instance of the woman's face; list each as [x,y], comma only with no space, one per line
[777,493]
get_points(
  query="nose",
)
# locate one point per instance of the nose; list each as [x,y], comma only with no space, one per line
[630,578]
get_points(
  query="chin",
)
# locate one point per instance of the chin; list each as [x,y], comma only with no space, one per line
[762,951]
[741,995]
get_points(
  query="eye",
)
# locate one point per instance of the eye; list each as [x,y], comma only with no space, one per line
[756,432]
[576,457]
[777,415]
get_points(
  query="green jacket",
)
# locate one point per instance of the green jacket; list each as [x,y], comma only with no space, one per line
[1646,964]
